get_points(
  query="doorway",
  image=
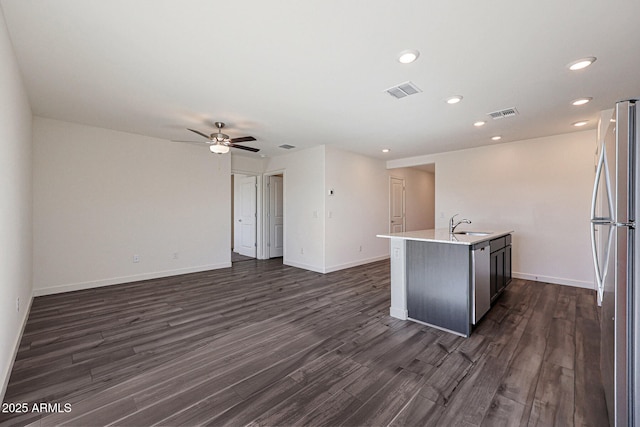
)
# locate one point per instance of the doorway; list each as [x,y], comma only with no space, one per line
[397,205]
[274,216]
[244,228]
[412,198]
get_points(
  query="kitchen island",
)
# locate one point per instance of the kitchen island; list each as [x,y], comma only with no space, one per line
[447,280]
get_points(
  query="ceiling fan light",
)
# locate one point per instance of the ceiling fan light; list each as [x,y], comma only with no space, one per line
[581,63]
[580,101]
[408,56]
[219,148]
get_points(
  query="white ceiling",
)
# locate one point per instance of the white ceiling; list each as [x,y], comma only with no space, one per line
[314,72]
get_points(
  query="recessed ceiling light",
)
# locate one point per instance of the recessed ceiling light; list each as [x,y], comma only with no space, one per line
[408,56]
[581,123]
[480,123]
[385,150]
[454,99]
[581,63]
[496,138]
[580,101]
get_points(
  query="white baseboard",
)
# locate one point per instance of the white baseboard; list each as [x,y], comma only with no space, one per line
[125,279]
[554,280]
[333,267]
[302,266]
[16,345]
[354,263]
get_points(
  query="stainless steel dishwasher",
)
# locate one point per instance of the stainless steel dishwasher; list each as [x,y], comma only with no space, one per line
[480,281]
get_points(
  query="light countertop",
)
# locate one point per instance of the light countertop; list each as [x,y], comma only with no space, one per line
[442,235]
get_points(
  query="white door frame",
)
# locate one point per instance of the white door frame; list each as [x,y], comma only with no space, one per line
[264,222]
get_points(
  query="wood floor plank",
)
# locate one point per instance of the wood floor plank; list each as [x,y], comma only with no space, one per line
[443,382]
[260,402]
[520,380]
[474,396]
[503,412]
[586,307]
[203,410]
[384,405]
[419,411]
[590,408]
[317,389]
[553,404]
[561,343]
[331,413]
[262,343]
[566,304]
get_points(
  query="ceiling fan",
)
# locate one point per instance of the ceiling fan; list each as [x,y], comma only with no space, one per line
[220,143]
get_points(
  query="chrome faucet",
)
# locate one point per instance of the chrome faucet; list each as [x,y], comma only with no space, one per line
[452,226]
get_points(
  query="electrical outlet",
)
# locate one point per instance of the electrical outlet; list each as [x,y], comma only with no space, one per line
[136,258]
[18,305]
[301,251]
[175,255]
[360,249]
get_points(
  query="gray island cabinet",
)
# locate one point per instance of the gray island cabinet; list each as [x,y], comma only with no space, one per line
[445,280]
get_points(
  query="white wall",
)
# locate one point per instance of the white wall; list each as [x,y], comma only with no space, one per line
[15,206]
[357,211]
[304,206]
[541,188]
[324,233]
[420,197]
[247,165]
[101,196]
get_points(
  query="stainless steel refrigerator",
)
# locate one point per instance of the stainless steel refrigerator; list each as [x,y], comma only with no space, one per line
[616,249]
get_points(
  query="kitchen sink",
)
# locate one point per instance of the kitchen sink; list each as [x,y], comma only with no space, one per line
[473,233]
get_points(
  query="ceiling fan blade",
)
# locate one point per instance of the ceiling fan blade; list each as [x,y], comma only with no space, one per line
[242,139]
[199,133]
[242,147]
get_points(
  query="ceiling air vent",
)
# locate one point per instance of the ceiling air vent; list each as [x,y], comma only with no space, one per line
[403,89]
[501,114]
[287,146]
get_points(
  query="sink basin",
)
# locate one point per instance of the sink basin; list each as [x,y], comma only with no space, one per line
[473,233]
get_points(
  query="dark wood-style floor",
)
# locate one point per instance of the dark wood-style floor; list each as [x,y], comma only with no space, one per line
[265,344]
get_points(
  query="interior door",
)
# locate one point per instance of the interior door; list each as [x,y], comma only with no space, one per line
[397,206]
[276,216]
[245,216]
